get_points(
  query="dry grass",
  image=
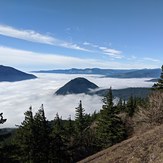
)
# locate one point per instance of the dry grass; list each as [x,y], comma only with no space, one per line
[146,145]
[151,115]
[147,148]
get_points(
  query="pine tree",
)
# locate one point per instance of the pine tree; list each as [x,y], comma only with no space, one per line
[58,146]
[120,107]
[82,134]
[70,128]
[26,138]
[159,84]
[42,136]
[2,120]
[70,135]
[33,137]
[94,116]
[131,106]
[110,128]
[80,119]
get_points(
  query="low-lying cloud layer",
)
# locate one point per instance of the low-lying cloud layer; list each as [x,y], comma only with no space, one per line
[17,97]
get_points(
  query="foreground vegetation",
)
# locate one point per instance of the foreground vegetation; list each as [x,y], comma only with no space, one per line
[37,140]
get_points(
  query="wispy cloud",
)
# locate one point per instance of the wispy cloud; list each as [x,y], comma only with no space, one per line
[11,56]
[86,43]
[151,59]
[90,44]
[33,36]
[23,58]
[113,53]
[30,60]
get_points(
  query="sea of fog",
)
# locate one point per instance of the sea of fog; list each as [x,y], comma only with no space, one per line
[17,97]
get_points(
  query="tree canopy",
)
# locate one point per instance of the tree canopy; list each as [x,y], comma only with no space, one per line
[110,128]
[159,84]
[2,120]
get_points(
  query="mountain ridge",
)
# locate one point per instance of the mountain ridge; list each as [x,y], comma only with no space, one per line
[10,74]
[125,93]
[113,73]
[84,71]
[76,86]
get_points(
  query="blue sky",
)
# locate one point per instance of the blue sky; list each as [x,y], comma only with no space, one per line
[52,34]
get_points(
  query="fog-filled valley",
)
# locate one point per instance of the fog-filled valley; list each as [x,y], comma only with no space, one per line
[17,97]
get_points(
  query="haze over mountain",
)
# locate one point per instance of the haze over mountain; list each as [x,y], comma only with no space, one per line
[76,86]
[11,74]
[85,71]
[143,73]
[114,73]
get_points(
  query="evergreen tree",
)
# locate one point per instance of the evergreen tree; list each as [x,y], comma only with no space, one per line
[83,140]
[58,145]
[110,128]
[80,119]
[70,128]
[8,151]
[94,116]
[70,135]
[120,106]
[131,106]
[159,84]
[33,137]
[42,136]
[26,138]
[2,120]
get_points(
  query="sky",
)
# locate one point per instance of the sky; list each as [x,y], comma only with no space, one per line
[60,34]
[17,97]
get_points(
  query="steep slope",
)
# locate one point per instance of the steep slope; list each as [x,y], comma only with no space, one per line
[145,148]
[75,86]
[11,74]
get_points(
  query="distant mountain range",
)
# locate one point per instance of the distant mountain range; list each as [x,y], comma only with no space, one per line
[114,73]
[11,74]
[144,73]
[76,86]
[84,71]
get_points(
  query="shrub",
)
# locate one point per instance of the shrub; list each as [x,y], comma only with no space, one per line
[152,113]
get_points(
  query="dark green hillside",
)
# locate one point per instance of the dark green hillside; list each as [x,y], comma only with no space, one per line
[126,92]
[75,86]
